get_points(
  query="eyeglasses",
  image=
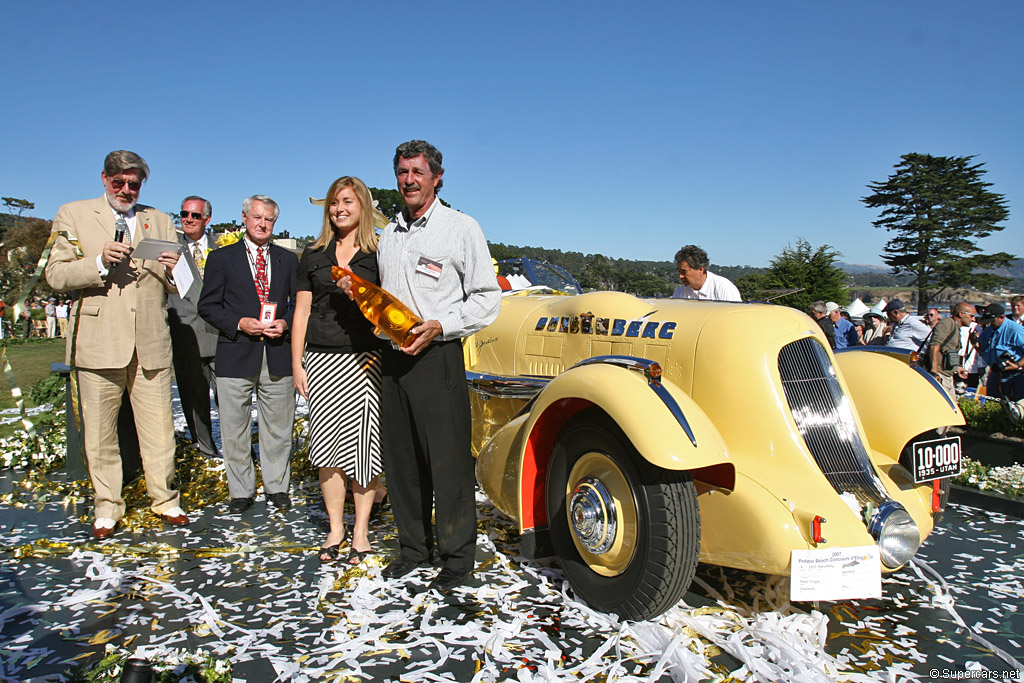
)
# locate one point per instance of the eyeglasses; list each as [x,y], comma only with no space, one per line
[195,216]
[118,183]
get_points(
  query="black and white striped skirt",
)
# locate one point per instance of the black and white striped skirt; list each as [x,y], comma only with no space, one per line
[344,412]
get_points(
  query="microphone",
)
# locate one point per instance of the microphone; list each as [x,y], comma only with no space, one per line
[119,227]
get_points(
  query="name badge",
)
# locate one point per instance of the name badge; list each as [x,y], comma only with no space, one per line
[268,312]
[429,267]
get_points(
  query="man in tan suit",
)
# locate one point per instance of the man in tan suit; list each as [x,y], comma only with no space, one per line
[118,337]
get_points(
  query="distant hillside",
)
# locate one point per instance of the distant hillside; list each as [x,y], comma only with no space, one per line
[858,268]
[865,275]
[1015,271]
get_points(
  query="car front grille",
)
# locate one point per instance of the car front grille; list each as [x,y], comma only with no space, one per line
[825,421]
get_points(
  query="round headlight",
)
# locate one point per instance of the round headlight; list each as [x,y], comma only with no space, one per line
[897,534]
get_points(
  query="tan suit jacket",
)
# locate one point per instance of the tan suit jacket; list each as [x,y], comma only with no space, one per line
[124,312]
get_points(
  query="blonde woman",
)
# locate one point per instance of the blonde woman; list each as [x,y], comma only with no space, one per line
[336,364]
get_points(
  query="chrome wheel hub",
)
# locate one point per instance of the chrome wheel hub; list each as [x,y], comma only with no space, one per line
[592,515]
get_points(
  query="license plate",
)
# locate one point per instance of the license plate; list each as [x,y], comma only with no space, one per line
[937,459]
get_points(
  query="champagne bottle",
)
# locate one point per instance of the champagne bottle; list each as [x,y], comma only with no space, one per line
[381,308]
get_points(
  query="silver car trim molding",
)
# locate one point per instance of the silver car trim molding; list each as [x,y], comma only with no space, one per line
[500,386]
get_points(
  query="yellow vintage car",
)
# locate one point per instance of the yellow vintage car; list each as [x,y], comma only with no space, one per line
[635,438]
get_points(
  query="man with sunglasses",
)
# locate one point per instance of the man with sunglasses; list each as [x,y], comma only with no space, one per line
[193,339]
[118,339]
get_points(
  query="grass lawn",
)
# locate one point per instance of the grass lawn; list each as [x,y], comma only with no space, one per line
[31,363]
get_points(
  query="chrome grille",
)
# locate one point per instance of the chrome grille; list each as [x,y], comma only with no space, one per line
[825,421]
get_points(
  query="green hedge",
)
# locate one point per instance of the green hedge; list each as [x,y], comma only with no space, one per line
[988,418]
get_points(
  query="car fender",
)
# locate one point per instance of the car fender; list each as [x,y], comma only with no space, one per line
[648,415]
[894,400]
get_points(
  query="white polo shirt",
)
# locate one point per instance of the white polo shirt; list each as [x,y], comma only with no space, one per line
[715,288]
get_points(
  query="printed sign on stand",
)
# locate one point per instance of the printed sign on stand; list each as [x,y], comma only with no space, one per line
[835,574]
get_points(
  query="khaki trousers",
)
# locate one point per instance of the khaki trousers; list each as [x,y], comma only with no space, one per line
[947,383]
[150,394]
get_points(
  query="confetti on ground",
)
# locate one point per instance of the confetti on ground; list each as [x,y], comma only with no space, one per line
[248,589]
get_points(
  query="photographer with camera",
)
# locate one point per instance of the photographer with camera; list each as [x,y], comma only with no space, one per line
[944,346]
[1004,352]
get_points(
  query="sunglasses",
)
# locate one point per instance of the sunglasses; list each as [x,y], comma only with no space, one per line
[195,216]
[118,183]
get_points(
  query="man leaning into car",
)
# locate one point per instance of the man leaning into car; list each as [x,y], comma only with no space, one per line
[698,282]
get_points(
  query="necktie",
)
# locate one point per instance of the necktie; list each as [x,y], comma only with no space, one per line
[197,256]
[122,224]
[261,275]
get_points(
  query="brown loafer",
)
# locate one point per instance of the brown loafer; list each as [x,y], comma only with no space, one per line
[101,532]
[175,519]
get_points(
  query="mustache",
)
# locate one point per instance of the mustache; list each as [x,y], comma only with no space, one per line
[411,186]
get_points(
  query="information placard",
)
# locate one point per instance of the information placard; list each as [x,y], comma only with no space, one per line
[836,574]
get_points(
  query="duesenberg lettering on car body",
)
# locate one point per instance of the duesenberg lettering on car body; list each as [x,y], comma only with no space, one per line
[634,438]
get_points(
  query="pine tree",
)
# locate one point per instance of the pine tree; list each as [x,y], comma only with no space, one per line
[810,272]
[939,207]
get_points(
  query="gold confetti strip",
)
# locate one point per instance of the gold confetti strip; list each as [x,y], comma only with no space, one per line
[103,637]
[77,657]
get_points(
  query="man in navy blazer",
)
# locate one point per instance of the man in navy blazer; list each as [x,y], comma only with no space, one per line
[249,296]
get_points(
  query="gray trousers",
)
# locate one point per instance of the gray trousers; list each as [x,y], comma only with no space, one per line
[275,406]
[195,375]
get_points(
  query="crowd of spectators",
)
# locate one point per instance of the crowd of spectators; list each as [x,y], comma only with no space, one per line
[967,349]
[40,317]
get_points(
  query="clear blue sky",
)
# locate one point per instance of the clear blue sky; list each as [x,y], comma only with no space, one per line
[596,127]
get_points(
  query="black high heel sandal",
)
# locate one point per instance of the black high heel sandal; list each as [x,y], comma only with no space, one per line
[329,554]
[358,556]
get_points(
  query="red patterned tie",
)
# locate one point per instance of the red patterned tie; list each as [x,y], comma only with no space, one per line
[261,275]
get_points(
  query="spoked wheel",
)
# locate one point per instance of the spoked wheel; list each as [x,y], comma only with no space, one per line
[627,533]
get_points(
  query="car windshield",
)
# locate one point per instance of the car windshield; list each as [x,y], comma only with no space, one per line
[523,273]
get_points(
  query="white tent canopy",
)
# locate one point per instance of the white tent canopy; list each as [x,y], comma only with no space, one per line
[857,309]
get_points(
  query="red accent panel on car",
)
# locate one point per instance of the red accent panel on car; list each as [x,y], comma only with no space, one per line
[539,446]
[720,476]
